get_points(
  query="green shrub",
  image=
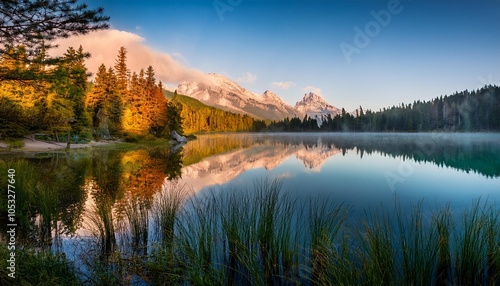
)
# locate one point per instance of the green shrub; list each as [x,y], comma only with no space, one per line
[15,144]
[149,137]
[131,138]
[85,136]
[38,268]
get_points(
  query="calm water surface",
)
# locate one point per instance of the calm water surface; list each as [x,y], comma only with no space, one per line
[364,170]
[64,191]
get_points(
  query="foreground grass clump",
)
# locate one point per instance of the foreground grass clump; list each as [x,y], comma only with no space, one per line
[261,235]
[15,143]
[38,268]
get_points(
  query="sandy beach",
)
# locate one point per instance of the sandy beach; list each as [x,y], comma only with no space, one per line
[37,145]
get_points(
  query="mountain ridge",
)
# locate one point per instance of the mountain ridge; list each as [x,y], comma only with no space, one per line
[226,94]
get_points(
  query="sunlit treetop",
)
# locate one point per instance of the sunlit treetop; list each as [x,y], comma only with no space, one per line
[35,24]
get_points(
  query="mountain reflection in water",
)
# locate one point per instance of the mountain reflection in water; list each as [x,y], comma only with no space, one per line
[62,187]
[238,153]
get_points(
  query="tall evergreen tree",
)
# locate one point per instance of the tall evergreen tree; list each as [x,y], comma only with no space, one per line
[114,104]
[34,24]
[105,104]
[173,116]
[122,73]
[74,62]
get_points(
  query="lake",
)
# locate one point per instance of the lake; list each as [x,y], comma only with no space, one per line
[92,203]
[363,170]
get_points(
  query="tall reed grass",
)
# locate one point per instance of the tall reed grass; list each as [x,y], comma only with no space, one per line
[261,235]
[164,263]
[137,214]
[101,258]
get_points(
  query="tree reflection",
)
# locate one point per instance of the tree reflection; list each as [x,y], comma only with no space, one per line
[49,196]
[52,190]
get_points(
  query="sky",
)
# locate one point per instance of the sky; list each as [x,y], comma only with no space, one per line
[373,53]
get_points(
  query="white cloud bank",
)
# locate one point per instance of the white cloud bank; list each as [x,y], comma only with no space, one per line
[284,84]
[104,45]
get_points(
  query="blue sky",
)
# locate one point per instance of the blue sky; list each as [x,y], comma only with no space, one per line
[423,49]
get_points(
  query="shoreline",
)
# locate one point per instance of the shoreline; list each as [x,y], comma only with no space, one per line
[33,145]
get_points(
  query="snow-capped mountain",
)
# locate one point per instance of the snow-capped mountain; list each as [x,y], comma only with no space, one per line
[316,107]
[228,95]
[312,103]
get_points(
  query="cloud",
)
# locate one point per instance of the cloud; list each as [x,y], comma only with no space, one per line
[312,89]
[246,78]
[103,46]
[180,58]
[284,84]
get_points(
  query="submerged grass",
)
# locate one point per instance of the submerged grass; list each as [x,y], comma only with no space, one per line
[378,249]
[418,245]
[328,263]
[37,268]
[137,214]
[164,265]
[263,236]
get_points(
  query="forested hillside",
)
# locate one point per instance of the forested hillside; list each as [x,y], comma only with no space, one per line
[198,117]
[468,111]
[117,102]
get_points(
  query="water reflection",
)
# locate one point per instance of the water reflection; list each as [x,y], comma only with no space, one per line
[123,204]
[477,153]
[58,193]
[62,193]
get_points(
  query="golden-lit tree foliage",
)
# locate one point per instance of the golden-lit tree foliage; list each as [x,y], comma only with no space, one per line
[54,105]
[207,119]
[105,103]
[137,99]
[35,24]
[135,115]
[23,94]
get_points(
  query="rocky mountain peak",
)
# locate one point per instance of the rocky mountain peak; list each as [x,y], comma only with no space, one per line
[226,94]
[311,98]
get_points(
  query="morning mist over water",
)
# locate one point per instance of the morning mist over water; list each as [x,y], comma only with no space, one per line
[362,167]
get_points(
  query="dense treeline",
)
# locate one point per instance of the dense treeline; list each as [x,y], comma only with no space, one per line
[477,110]
[124,102]
[119,103]
[34,25]
[54,104]
[116,103]
[198,117]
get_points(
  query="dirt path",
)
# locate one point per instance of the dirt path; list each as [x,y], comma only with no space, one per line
[36,145]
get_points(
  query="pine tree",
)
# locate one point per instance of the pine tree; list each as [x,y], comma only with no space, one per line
[122,73]
[150,78]
[34,24]
[74,62]
[105,105]
[114,104]
[173,116]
